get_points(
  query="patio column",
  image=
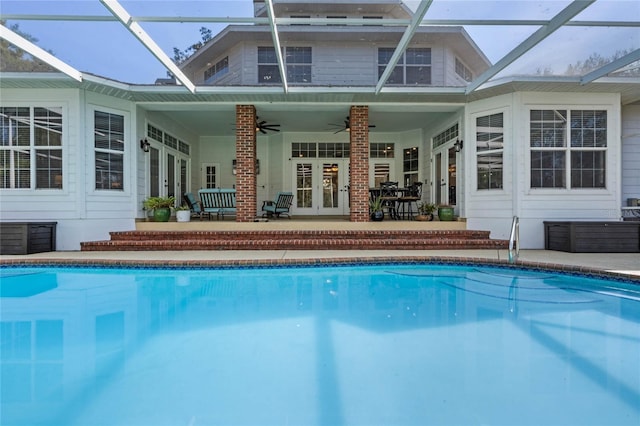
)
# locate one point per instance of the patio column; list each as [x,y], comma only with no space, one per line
[359,181]
[245,163]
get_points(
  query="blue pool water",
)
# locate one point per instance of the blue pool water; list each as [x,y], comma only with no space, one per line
[342,345]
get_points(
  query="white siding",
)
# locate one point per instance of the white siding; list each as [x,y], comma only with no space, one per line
[630,153]
[233,77]
[489,209]
[334,64]
[493,209]
[344,65]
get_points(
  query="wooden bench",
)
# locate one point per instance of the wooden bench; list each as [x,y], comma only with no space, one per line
[219,201]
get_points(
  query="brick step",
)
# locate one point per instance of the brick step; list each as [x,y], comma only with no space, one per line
[253,236]
[295,244]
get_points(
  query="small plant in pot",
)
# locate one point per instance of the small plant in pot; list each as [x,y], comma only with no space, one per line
[375,208]
[161,207]
[425,211]
[183,213]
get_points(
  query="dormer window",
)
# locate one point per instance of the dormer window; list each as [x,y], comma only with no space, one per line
[297,61]
[463,71]
[216,71]
[414,67]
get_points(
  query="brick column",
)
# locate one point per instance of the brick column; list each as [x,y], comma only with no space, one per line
[359,185]
[245,163]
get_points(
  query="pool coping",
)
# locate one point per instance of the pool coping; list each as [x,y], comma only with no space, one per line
[320,262]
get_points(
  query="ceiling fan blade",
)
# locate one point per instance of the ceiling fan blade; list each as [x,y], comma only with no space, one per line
[262,131]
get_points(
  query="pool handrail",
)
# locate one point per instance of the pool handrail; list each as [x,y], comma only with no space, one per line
[514,240]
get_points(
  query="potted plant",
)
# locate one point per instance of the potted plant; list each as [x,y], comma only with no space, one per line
[183,213]
[161,207]
[375,208]
[425,211]
[445,213]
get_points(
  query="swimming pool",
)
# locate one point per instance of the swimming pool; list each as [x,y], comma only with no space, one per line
[379,344]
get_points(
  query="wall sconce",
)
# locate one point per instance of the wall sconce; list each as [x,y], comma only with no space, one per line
[458,145]
[144,145]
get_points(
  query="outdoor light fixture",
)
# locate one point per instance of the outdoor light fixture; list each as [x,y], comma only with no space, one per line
[144,145]
[458,145]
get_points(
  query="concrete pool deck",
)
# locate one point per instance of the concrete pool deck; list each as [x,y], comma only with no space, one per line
[625,265]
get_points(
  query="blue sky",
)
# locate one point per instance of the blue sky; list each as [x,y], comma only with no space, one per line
[109,50]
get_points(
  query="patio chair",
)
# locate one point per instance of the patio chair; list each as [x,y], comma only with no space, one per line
[194,205]
[389,196]
[406,201]
[279,206]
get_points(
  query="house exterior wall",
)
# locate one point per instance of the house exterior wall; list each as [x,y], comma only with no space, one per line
[630,153]
[348,63]
[494,209]
[82,213]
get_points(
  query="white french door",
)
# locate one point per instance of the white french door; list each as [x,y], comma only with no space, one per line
[168,173]
[445,170]
[321,187]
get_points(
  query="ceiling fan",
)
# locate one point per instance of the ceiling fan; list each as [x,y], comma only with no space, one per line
[263,126]
[347,126]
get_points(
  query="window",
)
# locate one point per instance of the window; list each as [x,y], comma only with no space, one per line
[297,61]
[303,150]
[555,163]
[448,135]
[31,148]
[216,71]
[381,173]
[381,150]
[334,150]
[410,166]
[489,149]
[268,66]
[413,67]
[109,150]
[463,71]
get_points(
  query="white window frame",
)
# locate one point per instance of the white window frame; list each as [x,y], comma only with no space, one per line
[33,148]
[403,66]
[126,153]
[567,149]
[288,65]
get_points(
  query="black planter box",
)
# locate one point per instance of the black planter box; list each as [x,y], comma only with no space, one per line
[592,237]
[27,237]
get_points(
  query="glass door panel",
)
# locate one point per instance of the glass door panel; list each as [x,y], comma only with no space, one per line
[440,180]
[451,177]
[170,176]
[445,173]
[304,184]
[154,172]
[335,187]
